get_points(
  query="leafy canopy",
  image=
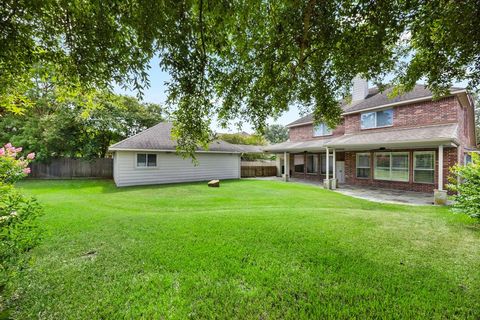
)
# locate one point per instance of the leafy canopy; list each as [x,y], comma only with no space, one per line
[244,59]
[276,133]
[59,126]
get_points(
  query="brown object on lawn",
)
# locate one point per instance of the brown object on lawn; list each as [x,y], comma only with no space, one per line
[214,183]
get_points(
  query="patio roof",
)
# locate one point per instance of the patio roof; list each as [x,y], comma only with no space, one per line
[421,137]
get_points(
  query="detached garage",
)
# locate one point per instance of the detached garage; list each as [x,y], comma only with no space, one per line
[149,158]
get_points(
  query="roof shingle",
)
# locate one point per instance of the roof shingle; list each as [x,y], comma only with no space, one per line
[158,137]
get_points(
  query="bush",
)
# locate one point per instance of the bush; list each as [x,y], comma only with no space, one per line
[18,213]
[466,184]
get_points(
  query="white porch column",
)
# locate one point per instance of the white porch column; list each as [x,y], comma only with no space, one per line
[440,167]
[328,163]
[286,165]
[278,164]
[334,173]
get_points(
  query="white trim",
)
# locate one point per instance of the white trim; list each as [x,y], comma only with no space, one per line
[440,167]
[327,165]
[390,167]
[422,169]
[146,159]
[376,117]
[172,151]
[359,167]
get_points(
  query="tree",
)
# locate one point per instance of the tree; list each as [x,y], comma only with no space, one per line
[276,133]
[244,59]
[64,128]
[241,138]
[466,184]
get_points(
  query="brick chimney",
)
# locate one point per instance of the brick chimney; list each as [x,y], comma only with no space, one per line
[360,88]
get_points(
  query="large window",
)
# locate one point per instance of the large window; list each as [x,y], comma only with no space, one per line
[424,167]
[299,163]
[323,164]
[145,160]
[391,166]
[363,165]
[378,119]
[321,130]
[312,163]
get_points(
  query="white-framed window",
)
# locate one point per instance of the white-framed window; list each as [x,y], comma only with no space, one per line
[376,119]
[363,165]
[146,160]
[298,163]
[323,164]
[312,163]
[393,166]
[424,167]
[321,130]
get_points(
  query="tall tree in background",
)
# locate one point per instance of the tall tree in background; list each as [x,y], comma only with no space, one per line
[276,133]
[55,127]
[245,59]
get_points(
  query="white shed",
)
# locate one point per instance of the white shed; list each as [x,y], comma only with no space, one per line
[150,158]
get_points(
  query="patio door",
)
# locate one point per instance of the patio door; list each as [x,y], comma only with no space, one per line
[340,171]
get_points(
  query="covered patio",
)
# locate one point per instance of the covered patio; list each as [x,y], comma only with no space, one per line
[404,159]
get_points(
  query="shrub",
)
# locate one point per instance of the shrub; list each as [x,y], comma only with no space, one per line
[466,184]
[18,229]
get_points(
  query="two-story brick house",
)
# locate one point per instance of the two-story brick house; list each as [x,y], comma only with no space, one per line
[408,142]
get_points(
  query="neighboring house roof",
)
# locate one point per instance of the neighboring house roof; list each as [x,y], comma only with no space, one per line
[402,137]
[377,99]
[158,138]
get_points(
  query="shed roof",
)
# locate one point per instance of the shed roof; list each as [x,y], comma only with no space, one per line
[159,138]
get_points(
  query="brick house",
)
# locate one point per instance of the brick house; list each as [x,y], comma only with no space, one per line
[408,142]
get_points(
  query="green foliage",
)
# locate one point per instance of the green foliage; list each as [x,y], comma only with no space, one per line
[67,127]
[243,138]
[249,139]
[246,60]
[19,230]
[466,184]
[276,133]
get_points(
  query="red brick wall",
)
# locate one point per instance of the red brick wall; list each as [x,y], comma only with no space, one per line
[305,132]
[446,110]
[449,159]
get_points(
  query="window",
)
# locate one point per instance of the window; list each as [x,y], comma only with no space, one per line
[424,167]
[323,167]
[378,119]
[146,160]
[363,165]
[299,163]
[321,130]
[468,158]
[391,166]
[312,163]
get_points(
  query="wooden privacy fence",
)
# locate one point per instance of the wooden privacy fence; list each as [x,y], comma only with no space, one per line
[67,168]
[251,169]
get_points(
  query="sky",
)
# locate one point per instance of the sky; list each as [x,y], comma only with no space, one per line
[156,94]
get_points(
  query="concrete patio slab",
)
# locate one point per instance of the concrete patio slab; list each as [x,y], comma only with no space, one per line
[373,194]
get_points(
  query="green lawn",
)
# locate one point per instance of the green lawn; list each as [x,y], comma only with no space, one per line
[250,249]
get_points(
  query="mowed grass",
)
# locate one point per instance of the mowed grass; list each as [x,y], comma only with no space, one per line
[247,250]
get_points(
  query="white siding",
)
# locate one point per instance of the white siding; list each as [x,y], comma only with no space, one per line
[172,168]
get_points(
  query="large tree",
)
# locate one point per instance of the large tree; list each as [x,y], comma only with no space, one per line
[244,59]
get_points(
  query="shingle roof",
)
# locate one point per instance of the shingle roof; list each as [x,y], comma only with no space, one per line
[158,137]
[376,98]
[300,146]
[402,137]
[399,137]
